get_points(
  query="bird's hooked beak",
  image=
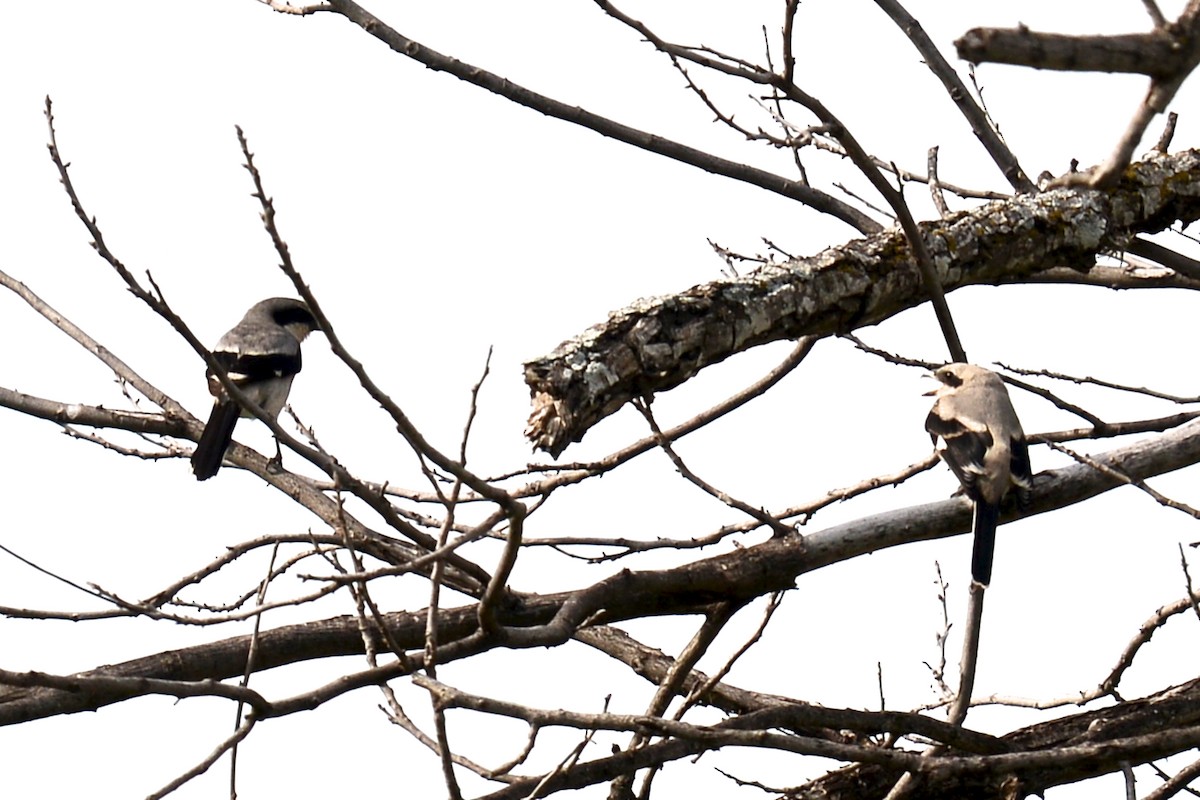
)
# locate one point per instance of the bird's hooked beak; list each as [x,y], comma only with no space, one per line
[935,389]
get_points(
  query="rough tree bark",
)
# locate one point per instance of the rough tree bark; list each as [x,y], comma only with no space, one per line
[657,344]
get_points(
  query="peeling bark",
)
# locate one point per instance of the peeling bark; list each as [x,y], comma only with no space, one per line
[659,343]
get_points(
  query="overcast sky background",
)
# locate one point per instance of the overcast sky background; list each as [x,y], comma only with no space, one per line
[434,220]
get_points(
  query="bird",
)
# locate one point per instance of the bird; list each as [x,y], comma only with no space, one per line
[978,435]
[261,356]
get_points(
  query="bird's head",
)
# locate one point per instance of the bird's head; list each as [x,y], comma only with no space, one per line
[952,376]
[291,314]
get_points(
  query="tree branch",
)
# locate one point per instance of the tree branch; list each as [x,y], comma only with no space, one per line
[657,344]
[1156,54]
[815,198]
[530,620]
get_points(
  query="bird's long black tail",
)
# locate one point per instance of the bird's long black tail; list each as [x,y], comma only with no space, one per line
[986,516]
[218,433]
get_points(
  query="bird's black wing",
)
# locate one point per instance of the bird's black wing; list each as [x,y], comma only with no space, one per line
[247,371]
[962,448]
[246,368]
[1022,472]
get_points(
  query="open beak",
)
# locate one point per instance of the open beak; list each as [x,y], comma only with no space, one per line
[935,389]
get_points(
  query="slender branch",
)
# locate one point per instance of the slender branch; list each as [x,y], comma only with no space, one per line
[573,473]
[653,143]
[1117,474]
[119,368]
[935,186]
[1121,387]
[1179,782]
[975,115]
[968,661]
[241,733]
[691,477]
[671,683]
[121,687]
[239,719]
[1156,15]
[330,465]
[970,655]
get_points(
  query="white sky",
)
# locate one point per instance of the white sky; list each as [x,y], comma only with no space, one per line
[434,220]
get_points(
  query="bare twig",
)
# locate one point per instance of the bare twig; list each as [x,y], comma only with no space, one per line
[1164,140]
[985,130]
[1155,14]
[759,514]
[1179,782]
[469,73]
[714,622]
[970,655]
[943,635]
[935,186]
[241,733]
[1187,576]
[1145,633]
[251,653]
[701,689]
[1117,474]
[122,370]
[330,465]
[1143,390]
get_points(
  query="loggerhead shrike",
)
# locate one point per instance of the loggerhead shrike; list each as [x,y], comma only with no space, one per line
[261,355]
[979,437]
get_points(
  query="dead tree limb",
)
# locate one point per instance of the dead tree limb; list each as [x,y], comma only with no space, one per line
[1082,741]
[659,343]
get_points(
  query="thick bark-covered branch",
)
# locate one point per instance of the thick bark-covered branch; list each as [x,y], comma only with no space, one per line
[1169,55]
[1156,54]
[1063,751]
[659,343]
[529,620]
[775,711]
[1099,741]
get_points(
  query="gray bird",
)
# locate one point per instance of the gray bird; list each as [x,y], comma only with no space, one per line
[261,355]
[979,437]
